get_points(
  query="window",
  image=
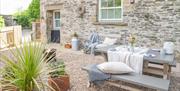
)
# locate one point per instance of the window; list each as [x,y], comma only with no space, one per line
[110,10]
[56,20]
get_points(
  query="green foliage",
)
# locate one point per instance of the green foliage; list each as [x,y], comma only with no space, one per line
[59,69]
[27,69]
[34,10]
[31,14]
[1,22]
[22,19]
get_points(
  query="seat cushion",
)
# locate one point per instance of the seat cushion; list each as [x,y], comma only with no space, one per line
[101,45]
[114,68]
[110,41]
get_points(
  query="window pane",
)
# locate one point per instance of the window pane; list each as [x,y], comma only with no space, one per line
[118,13]
[57,15]
[117,3]
[104,3]
[110,3]
[57,23]
[111,14]
[103,14]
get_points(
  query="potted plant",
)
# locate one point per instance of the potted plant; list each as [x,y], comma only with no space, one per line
[58,79]
[25,68]
[68,45]
[132,41]
[75,35]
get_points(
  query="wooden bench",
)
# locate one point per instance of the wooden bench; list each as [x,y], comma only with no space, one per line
[167,61]
[141,80]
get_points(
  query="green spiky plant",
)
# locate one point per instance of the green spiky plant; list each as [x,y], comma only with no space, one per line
[26,69]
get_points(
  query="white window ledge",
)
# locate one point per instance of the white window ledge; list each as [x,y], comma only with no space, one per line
[111,23]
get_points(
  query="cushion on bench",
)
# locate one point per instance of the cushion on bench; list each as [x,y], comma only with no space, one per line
[142,80]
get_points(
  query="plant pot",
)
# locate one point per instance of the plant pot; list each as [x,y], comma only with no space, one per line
[60,83]
[68,46]
[75,44]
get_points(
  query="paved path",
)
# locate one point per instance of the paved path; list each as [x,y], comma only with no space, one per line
[26,35]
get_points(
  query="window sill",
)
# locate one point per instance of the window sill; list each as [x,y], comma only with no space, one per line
[111,23]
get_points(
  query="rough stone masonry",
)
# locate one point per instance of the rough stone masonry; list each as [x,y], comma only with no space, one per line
[152,21]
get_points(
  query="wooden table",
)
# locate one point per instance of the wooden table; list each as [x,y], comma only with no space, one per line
[167,61]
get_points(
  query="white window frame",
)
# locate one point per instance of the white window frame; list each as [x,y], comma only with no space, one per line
[100,8]
[54,20]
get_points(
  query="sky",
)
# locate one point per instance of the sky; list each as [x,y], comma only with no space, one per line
[9,7]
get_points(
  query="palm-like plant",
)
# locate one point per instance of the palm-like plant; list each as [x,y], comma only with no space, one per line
[26,69]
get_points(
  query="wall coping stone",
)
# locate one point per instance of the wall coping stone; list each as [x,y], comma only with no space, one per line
[111,23]
[54,6]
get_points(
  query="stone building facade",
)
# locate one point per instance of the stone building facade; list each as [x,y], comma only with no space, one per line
[152,21]
[8,19]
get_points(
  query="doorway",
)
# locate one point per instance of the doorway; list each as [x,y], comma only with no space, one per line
[55,33]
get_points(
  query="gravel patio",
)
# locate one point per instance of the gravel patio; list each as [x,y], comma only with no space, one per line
[74,60]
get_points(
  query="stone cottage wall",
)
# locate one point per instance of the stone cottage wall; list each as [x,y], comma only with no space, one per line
[152,21]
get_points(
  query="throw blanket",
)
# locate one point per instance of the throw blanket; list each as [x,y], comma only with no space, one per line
[95,75]
[94,38]
[92,47]
[93,41]
[133,60]
[136,62]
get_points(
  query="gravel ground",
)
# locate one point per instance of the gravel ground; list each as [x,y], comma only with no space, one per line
[74,60]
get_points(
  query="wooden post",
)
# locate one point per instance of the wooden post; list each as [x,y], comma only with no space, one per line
[178,67]
[105,56]
[10,38]
[146,64]
[166,71]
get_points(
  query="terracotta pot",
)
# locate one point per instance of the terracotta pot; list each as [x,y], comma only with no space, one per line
[61,83]
[68,46]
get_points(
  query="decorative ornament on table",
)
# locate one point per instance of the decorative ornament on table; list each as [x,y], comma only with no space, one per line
[168,47]
[132,41]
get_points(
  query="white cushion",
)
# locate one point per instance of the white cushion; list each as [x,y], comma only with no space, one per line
[114,68]
[101,45]
[109,41]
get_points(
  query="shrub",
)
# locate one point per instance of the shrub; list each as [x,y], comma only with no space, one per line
[59,69]
[31,14]
[26,69]
[22,18]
